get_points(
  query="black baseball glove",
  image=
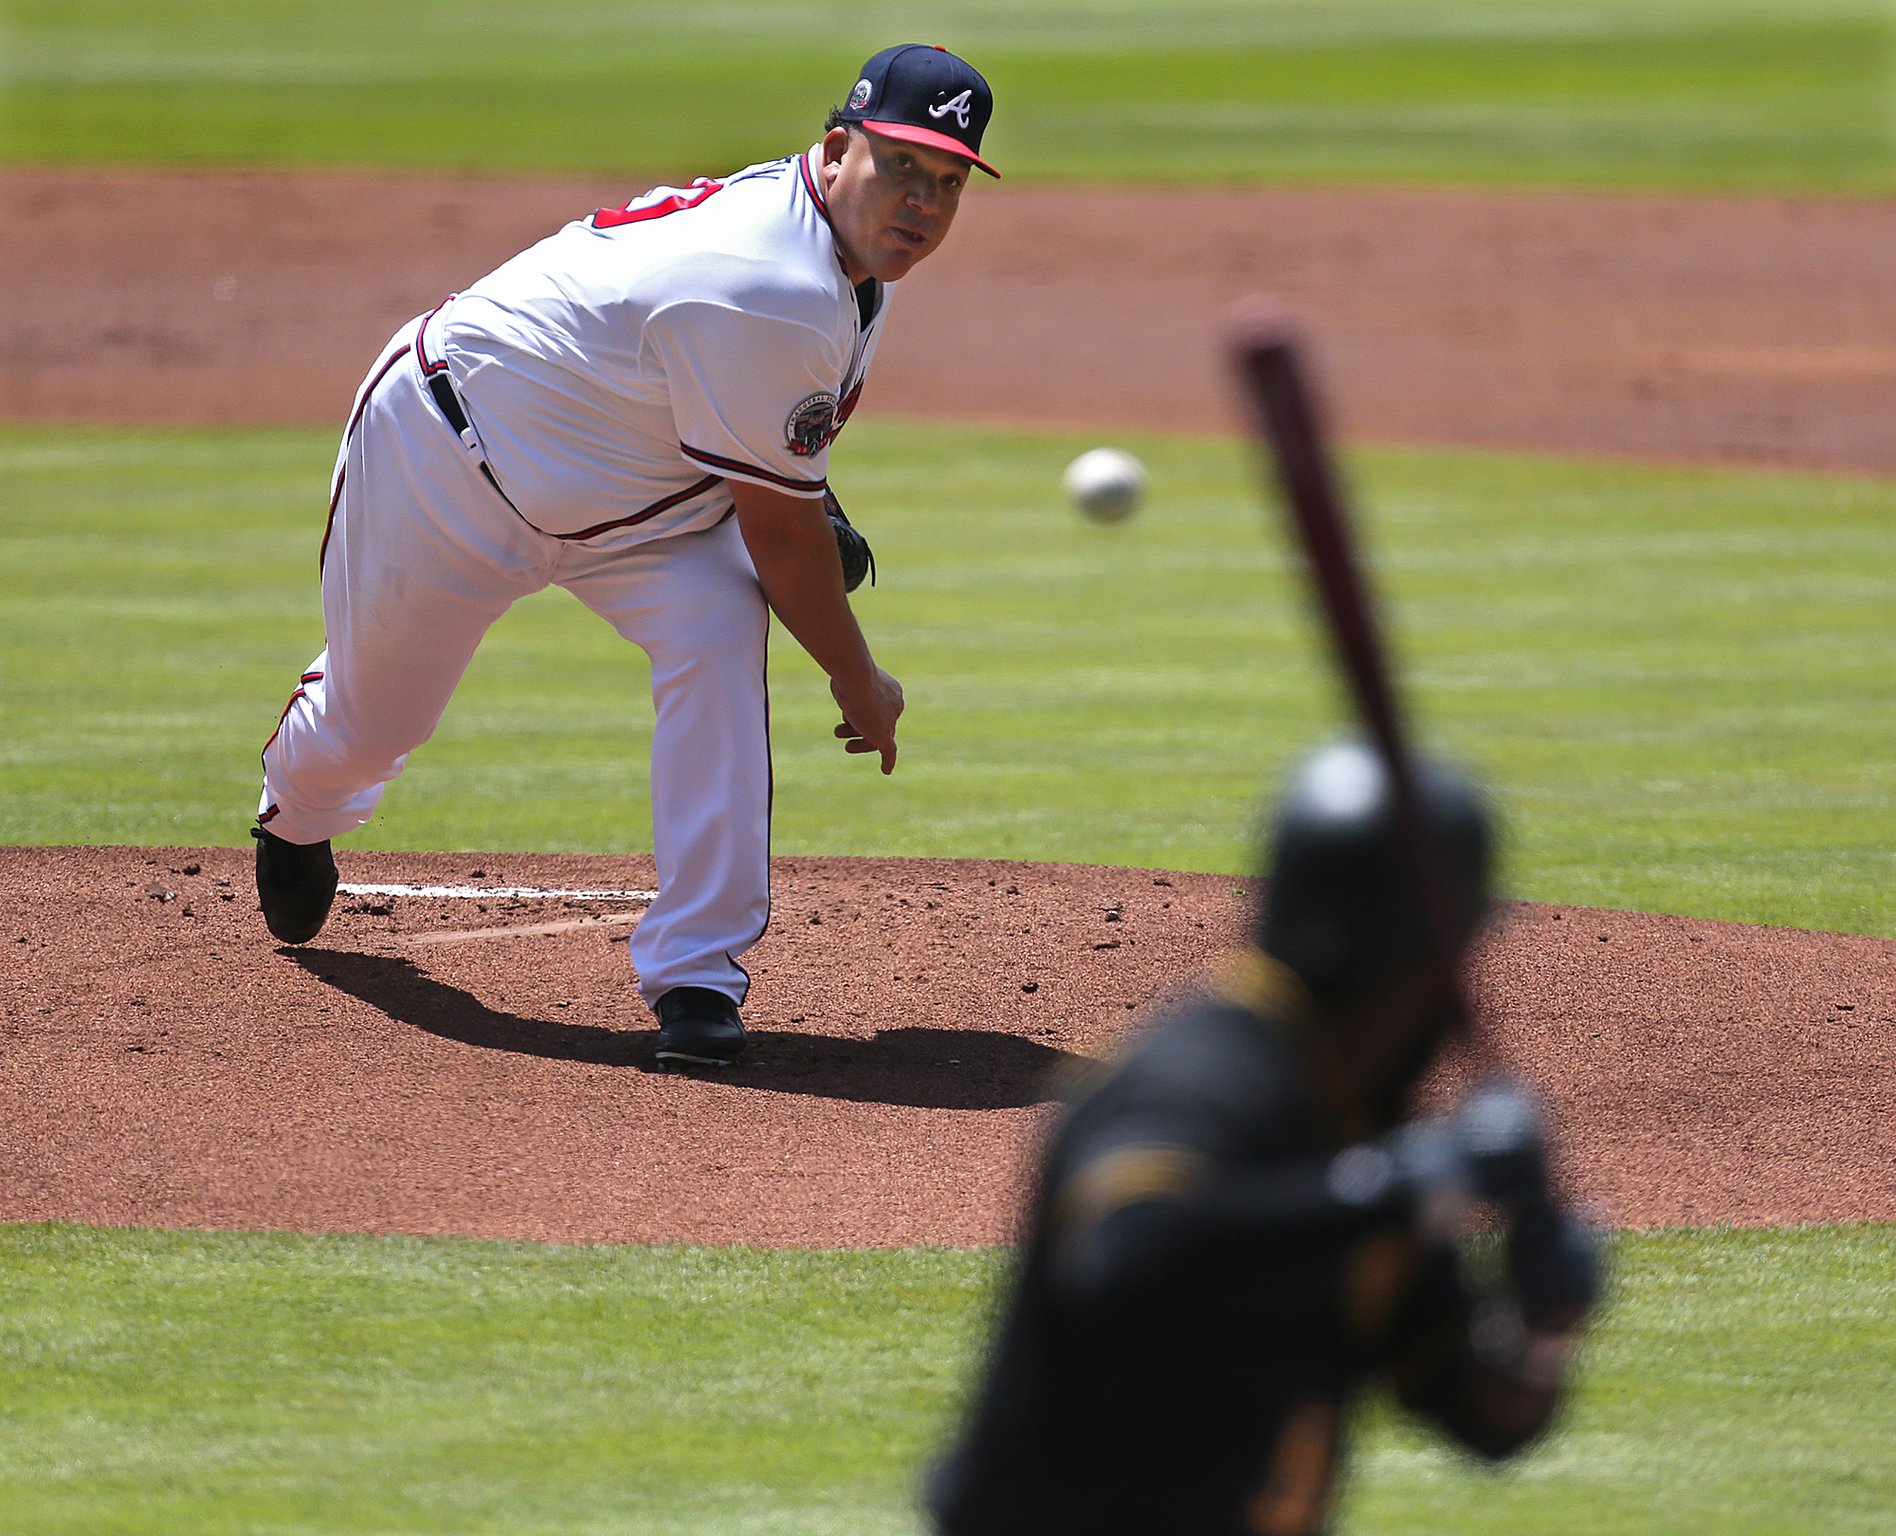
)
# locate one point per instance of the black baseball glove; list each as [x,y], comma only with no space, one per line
[851,547]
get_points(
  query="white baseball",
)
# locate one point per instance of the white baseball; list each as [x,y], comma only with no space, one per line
[1106,484]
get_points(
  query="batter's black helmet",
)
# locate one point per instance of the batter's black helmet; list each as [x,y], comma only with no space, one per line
[1342,906]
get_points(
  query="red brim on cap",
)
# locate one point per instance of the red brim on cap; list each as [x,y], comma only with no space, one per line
[908,133]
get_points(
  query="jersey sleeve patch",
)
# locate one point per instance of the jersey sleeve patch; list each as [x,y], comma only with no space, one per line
[811,424]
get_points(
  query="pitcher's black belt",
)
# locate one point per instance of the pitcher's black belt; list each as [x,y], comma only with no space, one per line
[450,407]
[443,391]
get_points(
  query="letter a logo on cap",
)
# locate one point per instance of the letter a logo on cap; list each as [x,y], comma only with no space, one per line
[958,105]
[917,93]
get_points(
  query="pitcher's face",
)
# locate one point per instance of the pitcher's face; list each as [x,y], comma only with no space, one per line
[890,203]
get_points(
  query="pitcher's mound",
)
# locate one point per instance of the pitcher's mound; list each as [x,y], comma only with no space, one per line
[439,1062]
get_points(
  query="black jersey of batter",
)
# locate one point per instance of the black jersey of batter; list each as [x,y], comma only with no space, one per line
[1194,1311]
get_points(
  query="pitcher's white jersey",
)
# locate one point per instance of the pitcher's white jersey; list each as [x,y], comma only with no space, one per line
[577,418]
[619,371]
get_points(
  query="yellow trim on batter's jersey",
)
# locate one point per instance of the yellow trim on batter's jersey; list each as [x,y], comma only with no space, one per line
[1266,986]
[1144,1171]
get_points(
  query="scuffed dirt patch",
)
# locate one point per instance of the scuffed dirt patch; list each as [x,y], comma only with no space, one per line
[163,1062]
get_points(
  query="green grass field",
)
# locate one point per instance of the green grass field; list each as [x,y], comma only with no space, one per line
[1676,678]
[1795,95]
[301,1386]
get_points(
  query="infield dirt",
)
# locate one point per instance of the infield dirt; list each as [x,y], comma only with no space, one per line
[482,1067]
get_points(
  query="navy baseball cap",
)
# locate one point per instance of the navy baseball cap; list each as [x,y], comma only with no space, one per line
[921,93]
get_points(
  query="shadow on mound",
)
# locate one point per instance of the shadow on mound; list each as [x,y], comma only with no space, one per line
[922,1068]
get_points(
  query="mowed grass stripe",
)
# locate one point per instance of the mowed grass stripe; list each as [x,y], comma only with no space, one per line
[1676,678]
[1768,95]
[278,1383]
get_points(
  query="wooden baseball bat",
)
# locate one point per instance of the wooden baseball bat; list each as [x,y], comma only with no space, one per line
[1267,350]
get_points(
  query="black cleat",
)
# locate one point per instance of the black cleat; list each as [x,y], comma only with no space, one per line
[698,1027]
[296,883]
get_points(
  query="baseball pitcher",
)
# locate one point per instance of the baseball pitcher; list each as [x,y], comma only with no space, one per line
[638,409]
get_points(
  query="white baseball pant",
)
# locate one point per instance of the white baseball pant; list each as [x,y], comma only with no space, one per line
[422,556]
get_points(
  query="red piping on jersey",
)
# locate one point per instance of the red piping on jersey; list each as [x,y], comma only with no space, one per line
[738,466]
[675,499]
[362,405]
[329,525]
[810,186]
[308,677]
[428,369]
[770,806]
[299,694]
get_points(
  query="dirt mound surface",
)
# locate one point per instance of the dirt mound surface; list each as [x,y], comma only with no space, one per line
[480,1064]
